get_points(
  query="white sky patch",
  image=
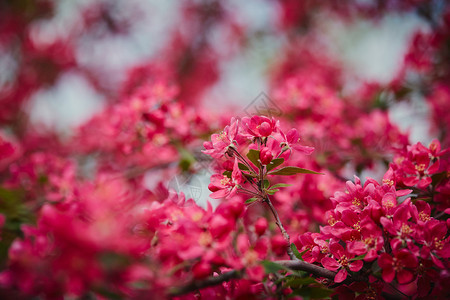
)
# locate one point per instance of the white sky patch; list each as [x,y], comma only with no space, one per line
[112,55]
[373,50]
[69,103]
[413,117]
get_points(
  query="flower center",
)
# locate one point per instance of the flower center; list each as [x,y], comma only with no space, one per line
[223,136]
[398,266]
[332,221]
[424,216]
[343,261]
[369,242]
[389,204]
[388,182]
[356,202]
[438,244]
[420,168]
[405,230]
[225,181]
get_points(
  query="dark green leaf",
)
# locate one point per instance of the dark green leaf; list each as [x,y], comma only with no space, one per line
[272,267]
[296,252]
[296,282]
[227,173]
[275,163]
[266,183]
[320,293]
[243,167]
[360,257]
[253,156]
[292,171]
[312,292]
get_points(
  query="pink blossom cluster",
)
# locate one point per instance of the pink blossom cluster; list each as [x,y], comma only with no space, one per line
[389,234]
[259,148]
[90,215]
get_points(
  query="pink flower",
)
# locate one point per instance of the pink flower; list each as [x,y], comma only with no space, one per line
[221,142]
[291,140]
[341,261]
[402,265]
[259,126]
[223,186]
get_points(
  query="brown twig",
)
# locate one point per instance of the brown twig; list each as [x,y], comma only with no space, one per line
[211,281]
[283,231]
[299,265]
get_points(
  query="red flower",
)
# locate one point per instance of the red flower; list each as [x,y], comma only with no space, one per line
[342,261]
[403,264]
[221,142]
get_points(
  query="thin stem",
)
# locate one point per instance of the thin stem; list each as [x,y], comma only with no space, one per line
[243,160]
[248,192]
[283,231]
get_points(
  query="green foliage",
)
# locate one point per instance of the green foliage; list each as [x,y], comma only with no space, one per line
[253,156]
[275,163]
[292,171]
[16,214]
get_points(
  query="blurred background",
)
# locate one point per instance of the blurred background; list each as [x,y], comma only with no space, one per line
[63,61]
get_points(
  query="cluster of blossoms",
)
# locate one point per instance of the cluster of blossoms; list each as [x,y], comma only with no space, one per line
[394,231]
[90,215]
[259,148]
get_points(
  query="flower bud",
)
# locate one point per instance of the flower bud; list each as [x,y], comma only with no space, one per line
[265,156]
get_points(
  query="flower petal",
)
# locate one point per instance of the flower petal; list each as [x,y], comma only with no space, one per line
[340,276]
[330,264]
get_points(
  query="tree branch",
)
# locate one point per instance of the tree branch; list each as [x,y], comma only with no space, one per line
[297,265]
[211,281]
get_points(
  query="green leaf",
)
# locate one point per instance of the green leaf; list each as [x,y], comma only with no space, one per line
[227,173]
[251,200]
[296,282]
[16,213]
[296,252]
[320,293]
[272,267]
[186,160]
[253,156]
[243,167]
[360,257]
[292,171]
[278,185]
[266,183]
[275,163]
[312,292]
[271,192]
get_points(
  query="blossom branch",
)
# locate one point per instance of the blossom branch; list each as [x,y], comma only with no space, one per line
[296,265]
